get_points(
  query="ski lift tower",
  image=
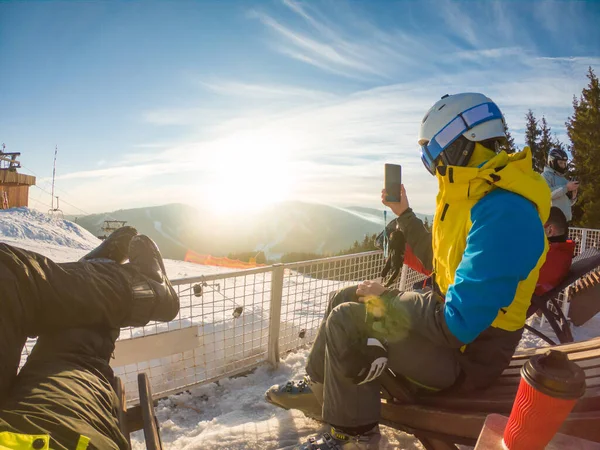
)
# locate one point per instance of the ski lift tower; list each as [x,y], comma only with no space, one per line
[110,226]
[14,186]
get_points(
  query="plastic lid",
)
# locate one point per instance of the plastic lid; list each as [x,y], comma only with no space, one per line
[553,374]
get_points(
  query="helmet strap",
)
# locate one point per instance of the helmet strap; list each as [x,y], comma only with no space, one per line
[458,153]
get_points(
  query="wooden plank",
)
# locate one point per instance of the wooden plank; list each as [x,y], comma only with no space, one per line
[500,401]
[468,424]
[122,408]
[584,353]
[587,365]
[568,348]
[134,419]
[421,418]
[14,178]
[155,346]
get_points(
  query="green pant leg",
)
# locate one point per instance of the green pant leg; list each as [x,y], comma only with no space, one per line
[417,348]
[315,364]
[65,390]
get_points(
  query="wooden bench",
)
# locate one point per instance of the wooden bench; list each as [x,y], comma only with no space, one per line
[582,264]
[441,421]
[140,417]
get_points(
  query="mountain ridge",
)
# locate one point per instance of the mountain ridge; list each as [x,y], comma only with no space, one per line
[286,227]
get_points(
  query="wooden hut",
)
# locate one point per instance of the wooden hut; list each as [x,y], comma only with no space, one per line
[14,186]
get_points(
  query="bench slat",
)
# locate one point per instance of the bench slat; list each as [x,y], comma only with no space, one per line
[468,425]
[592,344]
[589,367]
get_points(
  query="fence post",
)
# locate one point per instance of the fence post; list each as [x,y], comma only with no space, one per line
[275,314]
[403,276]
[583,241]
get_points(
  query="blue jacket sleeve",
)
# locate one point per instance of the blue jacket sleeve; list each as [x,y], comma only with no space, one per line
[504,244]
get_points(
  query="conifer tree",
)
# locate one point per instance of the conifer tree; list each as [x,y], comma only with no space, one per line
[532,134]
[545,143]
[510,146]
[583,128]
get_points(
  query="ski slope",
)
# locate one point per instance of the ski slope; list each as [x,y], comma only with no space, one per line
[232,413]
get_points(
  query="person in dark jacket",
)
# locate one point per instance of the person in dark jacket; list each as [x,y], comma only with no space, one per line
[62,398]
[485,251]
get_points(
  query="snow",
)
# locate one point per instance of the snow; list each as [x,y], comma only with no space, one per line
[234,415]
[63,241]
[230,414]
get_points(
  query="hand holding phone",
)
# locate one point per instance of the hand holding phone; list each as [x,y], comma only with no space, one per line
[393,183]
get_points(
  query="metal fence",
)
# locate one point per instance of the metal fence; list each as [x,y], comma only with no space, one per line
[229,323]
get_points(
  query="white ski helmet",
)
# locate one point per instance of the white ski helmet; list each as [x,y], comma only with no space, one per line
[472,115]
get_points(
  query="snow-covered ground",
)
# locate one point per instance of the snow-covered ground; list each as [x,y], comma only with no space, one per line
[63,241]
[230,414]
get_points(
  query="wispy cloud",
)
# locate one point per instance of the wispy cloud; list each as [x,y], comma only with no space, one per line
[458,20]
[262,92]
[323,55]
[329,144]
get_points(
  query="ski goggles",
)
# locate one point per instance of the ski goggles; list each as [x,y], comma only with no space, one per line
[464,121]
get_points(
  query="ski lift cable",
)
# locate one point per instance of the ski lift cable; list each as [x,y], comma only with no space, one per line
[61,190]
[68,203]
[50,193]
[64,201]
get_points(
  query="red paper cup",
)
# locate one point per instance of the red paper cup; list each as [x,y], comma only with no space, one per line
[550,386]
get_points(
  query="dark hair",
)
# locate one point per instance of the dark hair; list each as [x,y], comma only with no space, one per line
[559,220]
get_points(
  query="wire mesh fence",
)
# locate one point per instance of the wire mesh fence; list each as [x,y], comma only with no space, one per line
[231,322]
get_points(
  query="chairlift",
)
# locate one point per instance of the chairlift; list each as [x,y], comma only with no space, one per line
[56,213]
[110,226]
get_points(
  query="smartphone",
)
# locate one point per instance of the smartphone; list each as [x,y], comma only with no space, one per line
[393,181]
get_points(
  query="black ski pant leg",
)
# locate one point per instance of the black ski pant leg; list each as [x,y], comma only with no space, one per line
[12,331]
[315,364]
[65,390]
[55,296]
[38,296]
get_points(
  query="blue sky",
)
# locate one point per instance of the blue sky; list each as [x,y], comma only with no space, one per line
[236,104]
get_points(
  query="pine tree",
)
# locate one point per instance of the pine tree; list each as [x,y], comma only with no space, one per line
[545,144]
[532,134]
[583,128]
[509,146]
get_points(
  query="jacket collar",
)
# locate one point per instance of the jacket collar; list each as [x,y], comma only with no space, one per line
[487,170]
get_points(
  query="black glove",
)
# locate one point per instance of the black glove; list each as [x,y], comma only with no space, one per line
[365,360]
[395,260]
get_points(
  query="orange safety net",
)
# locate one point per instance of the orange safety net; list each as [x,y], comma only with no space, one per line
[222,261]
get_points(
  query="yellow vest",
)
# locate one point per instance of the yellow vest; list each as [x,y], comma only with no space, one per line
[460,188]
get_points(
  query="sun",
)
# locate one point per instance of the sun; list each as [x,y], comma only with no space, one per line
[248,171]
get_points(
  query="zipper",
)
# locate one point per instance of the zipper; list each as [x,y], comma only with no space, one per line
[444,212]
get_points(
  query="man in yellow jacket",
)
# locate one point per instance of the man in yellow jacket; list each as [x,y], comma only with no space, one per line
[485,251]
[62,398]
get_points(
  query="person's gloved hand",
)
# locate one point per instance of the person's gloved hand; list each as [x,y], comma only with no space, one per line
[395,261]
[368,288]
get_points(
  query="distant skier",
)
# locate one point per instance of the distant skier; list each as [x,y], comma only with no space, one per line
[564,192]
[485,250]
[62,398]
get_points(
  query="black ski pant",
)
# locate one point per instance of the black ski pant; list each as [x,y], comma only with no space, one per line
[76,309]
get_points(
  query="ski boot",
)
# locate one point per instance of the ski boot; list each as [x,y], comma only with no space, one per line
[339,440]
[304,395]
[153,295]
[114,248]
